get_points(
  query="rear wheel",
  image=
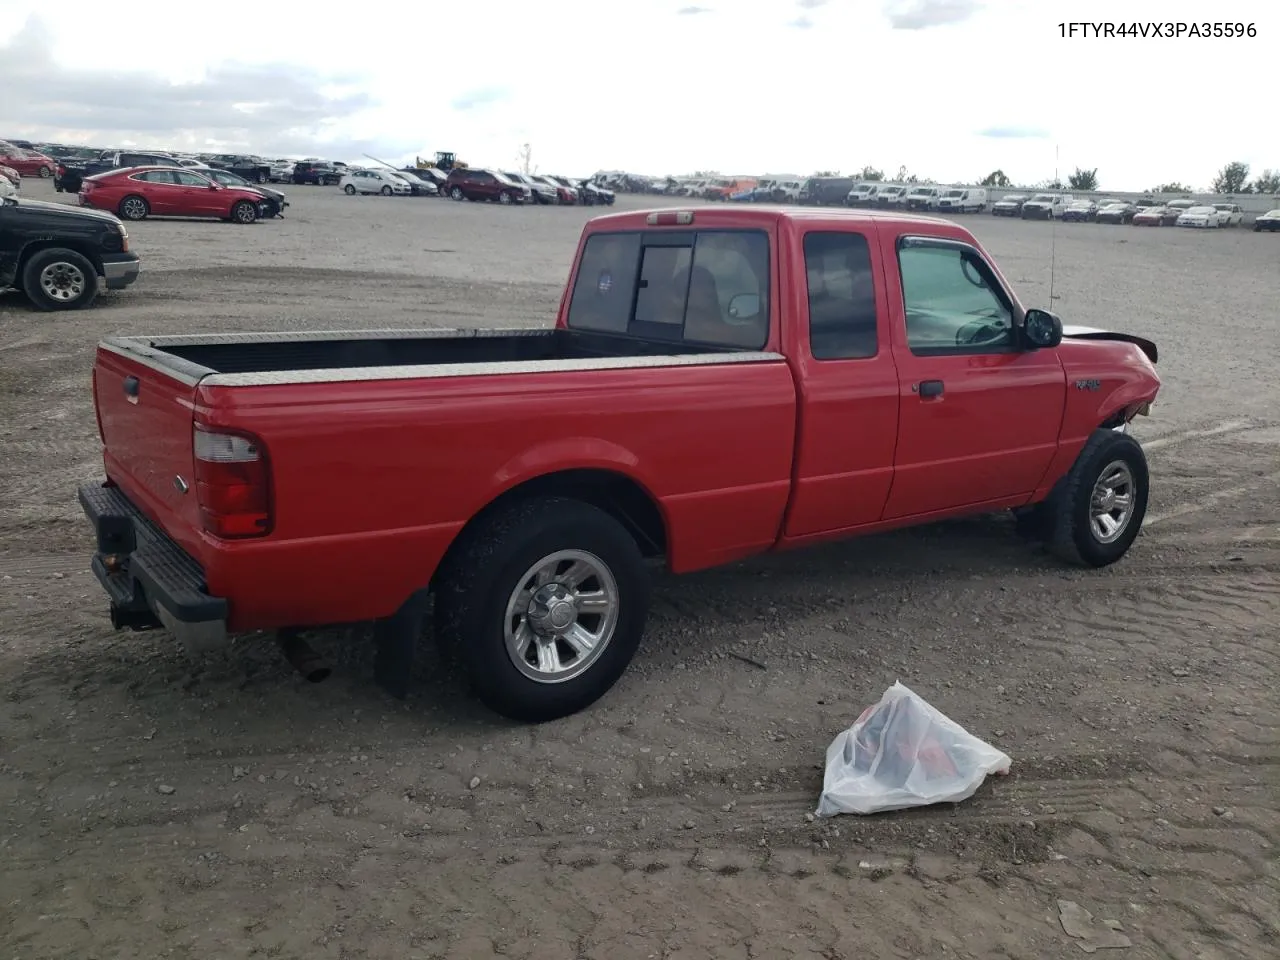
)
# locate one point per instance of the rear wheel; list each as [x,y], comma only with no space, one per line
[1099,507]
[456,193]
[45,173]
[504,197]
[349,190]
[60,279]
[134,207]
[386,191]
[262,177]
[547,600]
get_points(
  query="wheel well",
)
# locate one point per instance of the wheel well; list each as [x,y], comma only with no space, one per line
[617,495]
[80,247]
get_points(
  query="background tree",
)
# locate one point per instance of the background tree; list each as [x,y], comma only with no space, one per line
[524,159]
[903,175]
[1232,178]
[1174,187]
[1084,179]
[996,178]
[1268,181]
[870,173]
[827,173]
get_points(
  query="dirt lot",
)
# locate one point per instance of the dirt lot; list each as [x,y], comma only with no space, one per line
[154,807]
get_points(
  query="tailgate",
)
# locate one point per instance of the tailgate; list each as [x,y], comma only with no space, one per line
[146,418]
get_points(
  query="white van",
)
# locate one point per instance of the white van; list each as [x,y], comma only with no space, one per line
[892,195]
[861,195]
[963,200]
[924,198]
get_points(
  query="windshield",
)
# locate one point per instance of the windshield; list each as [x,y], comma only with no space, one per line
[1014,197]
[955,193]
[1043,198]
[926,192]
[501,178]
[1223,206]
[1198,210]
[1114,206]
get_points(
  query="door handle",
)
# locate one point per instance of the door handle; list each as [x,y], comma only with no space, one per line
[130,386]
[928,388]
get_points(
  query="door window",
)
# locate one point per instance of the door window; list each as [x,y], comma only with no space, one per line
[953,302]
[842,297]
[155,176]
[189,179]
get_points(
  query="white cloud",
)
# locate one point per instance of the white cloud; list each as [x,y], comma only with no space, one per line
[957,88]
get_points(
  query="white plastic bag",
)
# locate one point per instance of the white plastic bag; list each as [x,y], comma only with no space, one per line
[903,752]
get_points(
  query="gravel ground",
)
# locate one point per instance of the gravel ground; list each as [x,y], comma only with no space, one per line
[153,806]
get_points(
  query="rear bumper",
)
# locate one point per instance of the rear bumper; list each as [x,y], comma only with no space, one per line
[150,580]
[120,269]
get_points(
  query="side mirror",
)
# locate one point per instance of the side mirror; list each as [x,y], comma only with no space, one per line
[745,306]
[1041,329]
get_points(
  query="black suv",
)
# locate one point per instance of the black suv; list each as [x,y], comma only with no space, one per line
[316,171]
[58,254]
[253,169]
[69,173]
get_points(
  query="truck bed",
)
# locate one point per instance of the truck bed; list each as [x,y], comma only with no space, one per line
[372,354]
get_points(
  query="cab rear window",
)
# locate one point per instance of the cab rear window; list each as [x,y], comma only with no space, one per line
[706,287]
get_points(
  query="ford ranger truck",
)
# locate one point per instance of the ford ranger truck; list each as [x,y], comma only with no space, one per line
[719,383]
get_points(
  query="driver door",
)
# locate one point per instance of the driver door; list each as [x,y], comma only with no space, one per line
[979,414]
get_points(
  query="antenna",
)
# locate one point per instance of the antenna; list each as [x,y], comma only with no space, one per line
[1053,227]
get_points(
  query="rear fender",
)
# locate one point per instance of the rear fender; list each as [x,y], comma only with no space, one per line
[568,453]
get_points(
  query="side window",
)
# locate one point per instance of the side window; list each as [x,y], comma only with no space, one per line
[189,179]
[842,297]
[155,176]
[952,299]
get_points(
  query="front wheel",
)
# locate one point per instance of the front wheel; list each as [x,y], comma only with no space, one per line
[386,191]
[1099,507]
[349,190]
[504,197]
[244,212]
[45,173]
[60,279]
[456,193]
[547,600]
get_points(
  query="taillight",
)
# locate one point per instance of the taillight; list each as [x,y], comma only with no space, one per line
[233,483]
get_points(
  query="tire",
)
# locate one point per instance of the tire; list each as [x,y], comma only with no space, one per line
[481,581]
[45,173]
[60,279]
[505,197]
[244,212]
[349,190]
[1107,456]
[262,177]
[456,193]
[134,207]
[386,191]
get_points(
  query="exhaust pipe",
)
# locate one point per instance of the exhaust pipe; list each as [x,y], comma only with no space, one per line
[302,657]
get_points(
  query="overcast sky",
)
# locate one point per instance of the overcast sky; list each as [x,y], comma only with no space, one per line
[952,89]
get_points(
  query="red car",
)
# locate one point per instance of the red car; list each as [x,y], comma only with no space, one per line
[720,383]
[136,193]
[472,183]
[29,163]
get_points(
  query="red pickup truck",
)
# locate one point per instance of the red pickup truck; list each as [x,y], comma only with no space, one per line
[719,383]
